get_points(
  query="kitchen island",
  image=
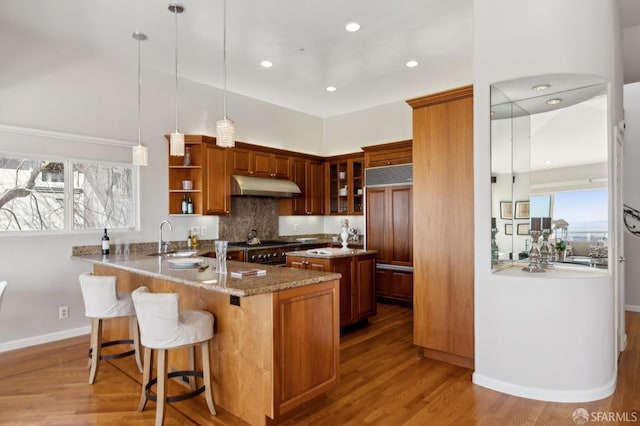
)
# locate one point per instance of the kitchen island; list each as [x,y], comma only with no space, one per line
[277,338]
[358,281]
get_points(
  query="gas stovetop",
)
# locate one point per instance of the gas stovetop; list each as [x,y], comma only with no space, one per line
[263,244]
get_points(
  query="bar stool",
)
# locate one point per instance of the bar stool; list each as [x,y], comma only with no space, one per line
[102,301]
[162,327]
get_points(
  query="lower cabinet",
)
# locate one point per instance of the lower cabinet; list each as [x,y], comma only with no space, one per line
[396,285]
[357,285]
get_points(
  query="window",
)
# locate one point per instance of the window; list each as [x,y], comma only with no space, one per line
[585,211]
[59,195]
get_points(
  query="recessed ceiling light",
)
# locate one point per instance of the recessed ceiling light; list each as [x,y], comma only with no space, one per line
[412,64]
[554,101]
[266,64]
[331,89]
[352,27]
[540,87]
[547,162]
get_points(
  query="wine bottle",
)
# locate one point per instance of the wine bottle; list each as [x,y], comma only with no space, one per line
[185,207]
[189,206]
[105,243]
[189,246]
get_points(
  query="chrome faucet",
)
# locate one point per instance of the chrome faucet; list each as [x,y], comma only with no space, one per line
[163,246]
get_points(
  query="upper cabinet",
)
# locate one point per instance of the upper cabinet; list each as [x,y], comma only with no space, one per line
[308,174]
[217,197]
[186,178]
[251,162]
[207,170]
[388,154]
[345,185]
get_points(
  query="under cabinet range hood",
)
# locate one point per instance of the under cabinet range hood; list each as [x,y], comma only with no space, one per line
[264,187]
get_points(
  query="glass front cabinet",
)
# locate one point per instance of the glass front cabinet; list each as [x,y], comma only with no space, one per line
[345,185]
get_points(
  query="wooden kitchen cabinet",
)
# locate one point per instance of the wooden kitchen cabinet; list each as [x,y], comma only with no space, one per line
[357,285]
[443,237]
[179,172]
[345,185]
[388,154]
[389,224]
[308,174]
[396,285]
[217,196]
[251,162]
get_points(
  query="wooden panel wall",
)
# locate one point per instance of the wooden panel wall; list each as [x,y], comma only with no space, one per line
[443,226]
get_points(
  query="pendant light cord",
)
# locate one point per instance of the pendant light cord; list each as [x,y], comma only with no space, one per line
[224,58]
[139,92]
[175,12]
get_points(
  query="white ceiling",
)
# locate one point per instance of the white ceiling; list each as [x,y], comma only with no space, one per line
[305,40]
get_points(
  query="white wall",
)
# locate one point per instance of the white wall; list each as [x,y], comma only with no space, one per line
[511,40]
[631,193]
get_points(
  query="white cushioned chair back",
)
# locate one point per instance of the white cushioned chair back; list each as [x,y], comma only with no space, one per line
[158,317]
[3,285]
[101,299]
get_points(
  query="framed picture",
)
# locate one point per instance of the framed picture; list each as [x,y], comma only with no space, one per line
[508,229]
[522,210]
[506,210]
[523,229]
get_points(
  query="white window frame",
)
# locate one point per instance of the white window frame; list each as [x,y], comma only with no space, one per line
[68,194]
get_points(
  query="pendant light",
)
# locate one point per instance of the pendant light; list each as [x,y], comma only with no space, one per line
[140,152]
[176,141]
[225,130]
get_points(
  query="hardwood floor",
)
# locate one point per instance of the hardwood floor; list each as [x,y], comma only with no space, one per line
[383,382]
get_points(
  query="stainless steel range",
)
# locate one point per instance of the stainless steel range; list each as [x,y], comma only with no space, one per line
[268,252]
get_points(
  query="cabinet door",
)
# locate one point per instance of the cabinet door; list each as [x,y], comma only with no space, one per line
[402,285]
[261,164]
[240,161]
[356,192]
[280,166]
[383,283]
[299,170]
[365,286]
[344,266]
[218,190]
[400,222]
[376,222]
[315,193]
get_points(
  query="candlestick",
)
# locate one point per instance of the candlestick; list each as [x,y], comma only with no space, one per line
[534,253]
[493,222]
[535,224]
[546,223]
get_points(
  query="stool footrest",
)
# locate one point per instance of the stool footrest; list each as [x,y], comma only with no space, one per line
[175,398]
[118,355]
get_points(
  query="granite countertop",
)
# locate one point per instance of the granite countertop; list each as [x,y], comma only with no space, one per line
[330,252]
[276,278]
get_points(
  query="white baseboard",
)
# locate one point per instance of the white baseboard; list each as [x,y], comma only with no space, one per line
[583,395]
[44,338]
[632,308]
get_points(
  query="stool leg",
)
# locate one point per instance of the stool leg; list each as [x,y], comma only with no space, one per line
[206,376]
[161,390]
[96,347]
[146,377]
[193,382]
[135,335]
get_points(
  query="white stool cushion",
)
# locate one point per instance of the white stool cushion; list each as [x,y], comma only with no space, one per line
[101,300]
[163,326]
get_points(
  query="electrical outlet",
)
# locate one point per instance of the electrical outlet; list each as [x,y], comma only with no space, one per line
[63,312]
[203,230]
[195,230]
[295,227]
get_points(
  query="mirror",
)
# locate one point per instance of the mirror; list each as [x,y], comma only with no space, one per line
[549,158]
